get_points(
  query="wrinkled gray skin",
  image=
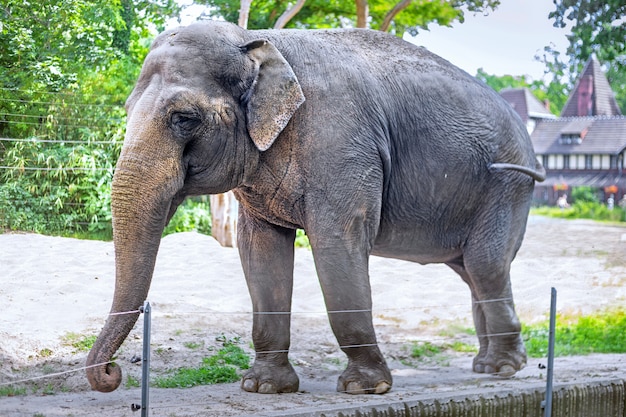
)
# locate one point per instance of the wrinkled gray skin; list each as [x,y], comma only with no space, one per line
[368,143]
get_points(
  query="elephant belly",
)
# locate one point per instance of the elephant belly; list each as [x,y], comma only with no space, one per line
[411,245]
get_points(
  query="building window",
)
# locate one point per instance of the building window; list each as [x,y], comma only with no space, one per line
[544,161]
[613,163]
[588,162]
[570,139]
[565,161]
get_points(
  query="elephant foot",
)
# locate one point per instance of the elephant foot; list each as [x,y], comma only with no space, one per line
[361,380]
[504,363]
[268,378]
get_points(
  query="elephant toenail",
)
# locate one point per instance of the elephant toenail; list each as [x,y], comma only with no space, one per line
[506,371]
[249,385]
[479,368]
[267,388]
[382,387]
[354,388]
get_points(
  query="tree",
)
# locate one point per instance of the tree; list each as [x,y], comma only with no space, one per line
[544,92]
[66,69]
[387,15]
[598,28]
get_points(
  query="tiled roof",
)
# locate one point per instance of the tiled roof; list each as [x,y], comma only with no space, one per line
[600,135]
[602,101]
[598,179]
[525,103]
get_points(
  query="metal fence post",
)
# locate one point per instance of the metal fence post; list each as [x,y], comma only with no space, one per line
[547,404]
[145,366]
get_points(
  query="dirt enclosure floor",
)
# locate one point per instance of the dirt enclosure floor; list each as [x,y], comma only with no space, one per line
[56,290]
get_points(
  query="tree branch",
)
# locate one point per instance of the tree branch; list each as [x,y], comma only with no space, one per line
[289,14]
[384,27]
[362,13]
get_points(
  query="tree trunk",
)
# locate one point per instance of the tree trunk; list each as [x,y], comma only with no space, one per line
[384,27]
[362,12]
[289,13]
[224,208]
[244,12]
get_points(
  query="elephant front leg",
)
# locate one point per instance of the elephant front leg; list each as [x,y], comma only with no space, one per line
[267,256]
[345,284]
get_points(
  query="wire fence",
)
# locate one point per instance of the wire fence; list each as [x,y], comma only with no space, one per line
[250,314]
[57,160]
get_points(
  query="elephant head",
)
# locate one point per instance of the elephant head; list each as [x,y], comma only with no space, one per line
[209,100]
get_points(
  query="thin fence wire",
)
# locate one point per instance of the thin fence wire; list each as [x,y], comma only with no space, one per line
[279,351]
[54,93]
[63,105]
[61,141]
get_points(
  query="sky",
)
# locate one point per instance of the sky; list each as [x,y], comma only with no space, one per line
[504,41]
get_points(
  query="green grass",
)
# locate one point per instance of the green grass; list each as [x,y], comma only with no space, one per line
[82,343]
[193,345]
[425,350]
[11,391]
[603,332]
[583,210]
[132,382]
[223,367]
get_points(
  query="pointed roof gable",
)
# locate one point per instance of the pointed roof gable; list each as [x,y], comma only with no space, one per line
[525,104]
[592,94]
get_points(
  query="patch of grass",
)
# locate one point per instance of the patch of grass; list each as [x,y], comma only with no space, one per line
[425,350]
[132,382]
[603,332]
[45,352]
[193,345]
[80,342]
[11,391]
[458,346]
[223,367]
[583,210]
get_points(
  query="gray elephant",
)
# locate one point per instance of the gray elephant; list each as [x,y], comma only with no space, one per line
[370,144]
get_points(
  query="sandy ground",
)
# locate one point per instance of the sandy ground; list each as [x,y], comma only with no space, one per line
[54,288]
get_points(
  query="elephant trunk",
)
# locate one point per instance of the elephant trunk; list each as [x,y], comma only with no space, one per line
[141,198]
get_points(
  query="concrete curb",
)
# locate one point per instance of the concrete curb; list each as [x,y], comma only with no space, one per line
[606,398]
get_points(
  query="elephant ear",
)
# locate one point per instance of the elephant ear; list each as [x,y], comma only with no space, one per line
[274,95]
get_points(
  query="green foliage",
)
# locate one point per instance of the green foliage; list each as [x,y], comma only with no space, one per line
[132,382]
[59,187]
[302,241]
[80,342]
[597,333]
[193,215]
[597,28]
[220,368]
[542,91]
[66,69]
[425,350]
[585,194]
[318,14]
[583,210]
[11,391]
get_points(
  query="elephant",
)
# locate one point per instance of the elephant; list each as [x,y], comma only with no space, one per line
[370,144]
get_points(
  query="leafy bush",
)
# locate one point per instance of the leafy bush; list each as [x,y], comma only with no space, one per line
[585,194]
[584,210]
[193,215]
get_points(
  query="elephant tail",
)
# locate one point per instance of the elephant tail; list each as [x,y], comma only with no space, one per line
[538,173]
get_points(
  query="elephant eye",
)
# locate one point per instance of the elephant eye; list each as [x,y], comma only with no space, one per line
[185,121]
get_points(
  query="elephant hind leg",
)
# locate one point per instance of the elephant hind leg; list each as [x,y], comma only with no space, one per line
[498,329]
